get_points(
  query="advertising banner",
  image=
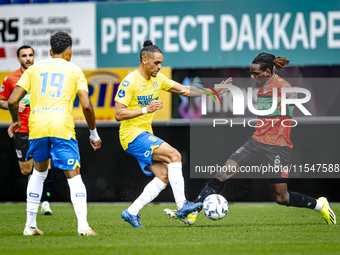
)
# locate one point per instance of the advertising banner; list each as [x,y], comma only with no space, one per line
[103,86]
[219,33]
[33,25]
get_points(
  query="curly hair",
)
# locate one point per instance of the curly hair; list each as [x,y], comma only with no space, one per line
[148,49]
[268,61]
[60,41]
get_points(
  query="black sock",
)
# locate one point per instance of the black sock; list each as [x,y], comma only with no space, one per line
[46,194]
[215,186]
[299,200]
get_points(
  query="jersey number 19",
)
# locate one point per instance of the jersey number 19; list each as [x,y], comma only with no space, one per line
[56,80]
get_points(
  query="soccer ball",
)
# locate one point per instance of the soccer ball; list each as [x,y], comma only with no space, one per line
[215,207]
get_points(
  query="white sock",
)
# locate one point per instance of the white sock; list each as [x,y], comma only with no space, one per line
[177,183]
[34,192]
[149,193]
[78,198]
[319,206]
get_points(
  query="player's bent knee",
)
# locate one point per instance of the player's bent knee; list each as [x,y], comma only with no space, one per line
[164,179]
[281,200]
[25,170]
[175,156]
[221,176]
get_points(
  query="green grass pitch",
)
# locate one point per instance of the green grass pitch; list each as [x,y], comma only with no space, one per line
[247,229]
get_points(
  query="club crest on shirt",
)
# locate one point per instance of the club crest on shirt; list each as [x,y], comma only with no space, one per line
[121,93]
[155,84]
[265,89]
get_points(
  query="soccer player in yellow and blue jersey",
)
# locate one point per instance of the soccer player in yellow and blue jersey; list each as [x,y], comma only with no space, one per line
[54,84]
[137,101]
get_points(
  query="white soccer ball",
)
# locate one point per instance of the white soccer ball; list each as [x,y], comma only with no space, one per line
[215,207]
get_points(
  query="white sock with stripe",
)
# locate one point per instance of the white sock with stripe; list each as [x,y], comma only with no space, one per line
[34,192]
[78,197]
[177,183]
[149,193]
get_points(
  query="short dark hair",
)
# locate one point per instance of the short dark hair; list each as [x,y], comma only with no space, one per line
[24,47]
[148,49]
[268,61]
[60,41]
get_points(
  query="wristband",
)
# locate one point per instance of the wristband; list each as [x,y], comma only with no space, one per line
[145,110]
[94,135]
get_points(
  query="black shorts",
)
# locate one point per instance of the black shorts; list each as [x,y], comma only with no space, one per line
[21,146]
[273,157]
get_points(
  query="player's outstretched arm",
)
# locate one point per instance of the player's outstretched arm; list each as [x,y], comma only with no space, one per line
[13,107]
[191,91]
[122,113]
[4,105]
[88,111]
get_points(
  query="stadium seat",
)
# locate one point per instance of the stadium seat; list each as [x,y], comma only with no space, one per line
[79,0]
[40,1]
[99,0]
[4,1]
[20,2]
[59,1]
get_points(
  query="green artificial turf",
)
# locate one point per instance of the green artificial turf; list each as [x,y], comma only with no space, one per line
[247,229]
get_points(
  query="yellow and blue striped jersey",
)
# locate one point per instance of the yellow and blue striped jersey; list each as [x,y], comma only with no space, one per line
[53,84]
[136,92]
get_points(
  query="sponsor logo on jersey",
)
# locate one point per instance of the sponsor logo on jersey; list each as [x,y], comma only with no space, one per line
[121,93]
[31,194]
[19,153]
[70,161]
[277,160]
[265,89]
[146,100]
[147,153]
[152,138]
[80,195]
[125,83]
[239,150]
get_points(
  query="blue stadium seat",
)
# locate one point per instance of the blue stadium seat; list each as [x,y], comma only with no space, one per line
[59,1]
[40,1]
[4,1]
[99,0]
[80,0]
[20,1]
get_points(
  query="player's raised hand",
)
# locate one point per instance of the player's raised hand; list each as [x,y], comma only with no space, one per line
[154,106]
[220,91]
[228,81]
[96,145]
[22,106]
[12,126]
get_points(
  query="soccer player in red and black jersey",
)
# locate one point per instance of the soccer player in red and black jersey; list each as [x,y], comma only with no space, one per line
[270,142]
[25,56]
